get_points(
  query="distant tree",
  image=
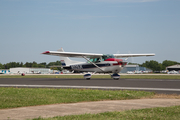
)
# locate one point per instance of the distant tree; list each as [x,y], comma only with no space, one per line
[27,64]
[10,65]
[42,65]
[54,68]
[132,63]
[1,66]
[34,64]
[54,63]
[153,65]
[21,64]
[166,63]
[57,63]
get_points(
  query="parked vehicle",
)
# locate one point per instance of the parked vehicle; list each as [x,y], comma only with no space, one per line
[130,72]
[173,72]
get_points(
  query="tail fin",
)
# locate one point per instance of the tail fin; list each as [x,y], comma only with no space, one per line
[65,61]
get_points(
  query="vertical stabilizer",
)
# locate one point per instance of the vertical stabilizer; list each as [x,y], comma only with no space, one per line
[65,61]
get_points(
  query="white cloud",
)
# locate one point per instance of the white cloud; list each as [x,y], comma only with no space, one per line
[125,0]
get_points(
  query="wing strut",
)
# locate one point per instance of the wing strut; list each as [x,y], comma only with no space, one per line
[94,64]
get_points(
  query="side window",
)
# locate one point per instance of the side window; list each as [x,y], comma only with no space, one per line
[91,60]
[95,60]
[103,59]
[98,60]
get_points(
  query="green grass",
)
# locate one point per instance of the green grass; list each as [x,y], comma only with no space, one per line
[160,76]
[160,113]
[19,97]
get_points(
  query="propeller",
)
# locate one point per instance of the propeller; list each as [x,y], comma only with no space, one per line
[126,60]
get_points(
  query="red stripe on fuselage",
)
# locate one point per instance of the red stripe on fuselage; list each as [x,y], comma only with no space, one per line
[114,59]
[119,61]
[117,64]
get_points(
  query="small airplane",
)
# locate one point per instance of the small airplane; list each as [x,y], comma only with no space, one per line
[97,63]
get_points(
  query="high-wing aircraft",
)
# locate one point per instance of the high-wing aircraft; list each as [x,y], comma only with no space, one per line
[97,63]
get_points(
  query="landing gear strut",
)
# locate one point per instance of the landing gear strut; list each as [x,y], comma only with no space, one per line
[115,76]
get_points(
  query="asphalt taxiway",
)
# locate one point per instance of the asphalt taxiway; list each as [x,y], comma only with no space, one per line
[156,85]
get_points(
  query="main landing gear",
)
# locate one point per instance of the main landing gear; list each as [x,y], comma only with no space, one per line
[115,76]
[87,76]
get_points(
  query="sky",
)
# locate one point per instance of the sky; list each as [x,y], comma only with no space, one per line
[30,27]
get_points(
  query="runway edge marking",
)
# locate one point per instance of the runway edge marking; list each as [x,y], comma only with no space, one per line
[87,87]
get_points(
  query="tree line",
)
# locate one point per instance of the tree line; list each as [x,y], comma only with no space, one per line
[31,65]
[153,65]
[156,66]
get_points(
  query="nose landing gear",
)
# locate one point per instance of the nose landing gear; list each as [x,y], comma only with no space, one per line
[115,76]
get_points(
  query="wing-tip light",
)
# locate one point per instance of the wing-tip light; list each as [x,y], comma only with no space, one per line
[46,52]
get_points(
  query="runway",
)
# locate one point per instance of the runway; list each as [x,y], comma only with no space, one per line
[156,85]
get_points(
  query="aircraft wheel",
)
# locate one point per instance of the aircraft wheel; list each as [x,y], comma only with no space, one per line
[87,76]
[115,76]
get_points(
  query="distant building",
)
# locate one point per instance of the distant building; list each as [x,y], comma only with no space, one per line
[173,67]
[130,68]
[4,71]
[25,70]
[134,68]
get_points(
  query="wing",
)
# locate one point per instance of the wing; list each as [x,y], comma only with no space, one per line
[132,55]
[72,54]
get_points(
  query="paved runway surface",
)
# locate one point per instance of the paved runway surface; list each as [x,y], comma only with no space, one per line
[157,85]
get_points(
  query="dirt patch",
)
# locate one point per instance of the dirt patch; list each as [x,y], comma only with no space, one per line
[165,96]
[86,107]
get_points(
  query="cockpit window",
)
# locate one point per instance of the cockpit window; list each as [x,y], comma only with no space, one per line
[105,57]
[95,60]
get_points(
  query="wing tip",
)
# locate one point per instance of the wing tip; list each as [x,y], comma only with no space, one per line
[46,52]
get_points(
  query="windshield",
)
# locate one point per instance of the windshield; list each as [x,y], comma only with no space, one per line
[105,57]
[100,59]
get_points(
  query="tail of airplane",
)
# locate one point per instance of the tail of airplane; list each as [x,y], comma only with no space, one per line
[65,61]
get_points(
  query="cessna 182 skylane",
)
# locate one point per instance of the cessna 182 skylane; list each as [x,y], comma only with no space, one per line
[97,63]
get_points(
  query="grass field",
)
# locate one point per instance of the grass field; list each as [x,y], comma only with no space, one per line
[19,97]
[160,113]
[143,76]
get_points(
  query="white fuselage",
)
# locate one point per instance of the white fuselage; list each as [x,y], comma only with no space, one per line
[106,67]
